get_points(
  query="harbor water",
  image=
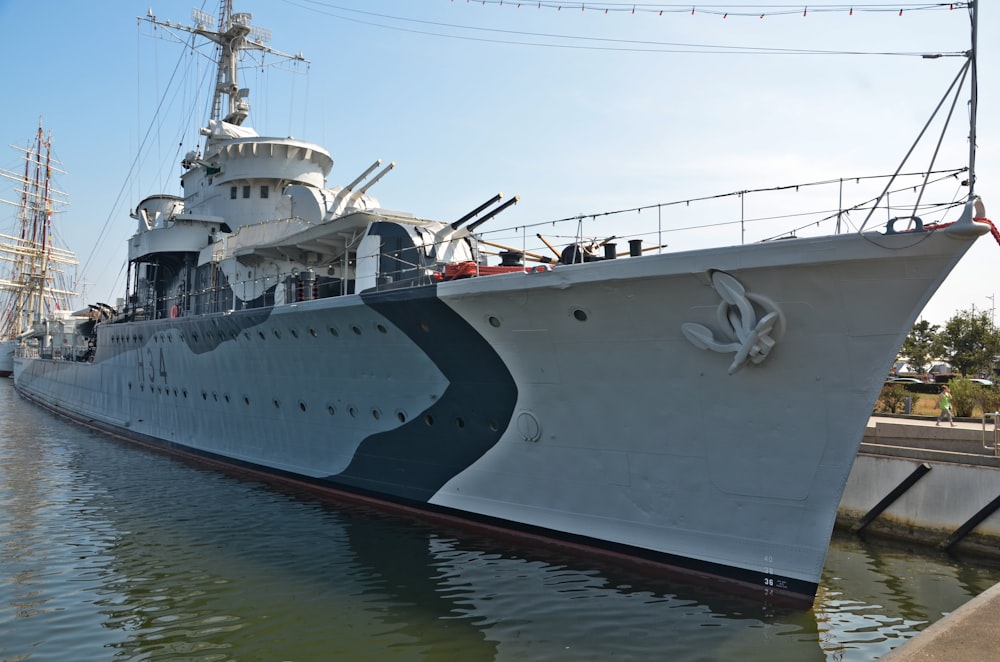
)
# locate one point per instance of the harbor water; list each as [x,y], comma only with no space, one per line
[110,551]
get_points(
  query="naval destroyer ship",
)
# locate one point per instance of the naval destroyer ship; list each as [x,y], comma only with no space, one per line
[663,408]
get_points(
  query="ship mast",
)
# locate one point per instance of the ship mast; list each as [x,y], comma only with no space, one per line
[233,36]
[973,97]
[30,287]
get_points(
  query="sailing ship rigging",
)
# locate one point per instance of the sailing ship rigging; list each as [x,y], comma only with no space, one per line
[34,276]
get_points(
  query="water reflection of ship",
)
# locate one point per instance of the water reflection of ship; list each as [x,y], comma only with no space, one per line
[33,278]
[196,561]
[191,559]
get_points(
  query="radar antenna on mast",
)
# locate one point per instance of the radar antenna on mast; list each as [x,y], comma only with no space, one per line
[233,36]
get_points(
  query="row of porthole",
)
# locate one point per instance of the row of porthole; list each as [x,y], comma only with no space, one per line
[578,314]
[233,335]
[333,331]
[352,410]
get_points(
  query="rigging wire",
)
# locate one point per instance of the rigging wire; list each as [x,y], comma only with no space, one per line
[940,175]
[752,11]
[98,241]
[510,37]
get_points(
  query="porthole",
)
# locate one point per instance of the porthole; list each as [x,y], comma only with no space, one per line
[277,334]
[295,334]
[428,420]
[262,336]
[381,328]
[459,422]
[334,332]
[246,334]
[184,392]
[376,414]
[493,426]
[400,416]
[225,396]
[356,329]
[204,395]
[277,404]
[215,396]
[302,406]
[246,400]
[330,409]
[130,386]
[194,337]
[312,332]
[494,321]
[353,411]
[579,315]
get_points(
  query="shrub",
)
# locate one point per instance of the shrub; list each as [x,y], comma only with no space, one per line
[991,398]
[891,399]
[966,396]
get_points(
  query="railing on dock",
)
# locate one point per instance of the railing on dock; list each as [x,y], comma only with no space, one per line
[991,437]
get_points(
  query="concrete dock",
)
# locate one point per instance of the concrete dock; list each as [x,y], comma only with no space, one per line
[971,633]
[938,485]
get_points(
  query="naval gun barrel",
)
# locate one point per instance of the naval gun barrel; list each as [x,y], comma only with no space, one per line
[350,187]
[380,175]
[512,201]
[457,224]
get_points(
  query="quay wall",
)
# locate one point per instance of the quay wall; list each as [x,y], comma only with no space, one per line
[946,480]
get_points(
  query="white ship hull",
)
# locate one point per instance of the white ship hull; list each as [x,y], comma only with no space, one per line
[567,401]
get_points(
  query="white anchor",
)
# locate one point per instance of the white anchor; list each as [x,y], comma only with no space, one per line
[749,338]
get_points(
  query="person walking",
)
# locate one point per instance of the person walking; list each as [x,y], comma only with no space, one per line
[944,403]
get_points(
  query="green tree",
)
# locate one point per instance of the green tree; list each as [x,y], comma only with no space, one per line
[918,348]
[969,342]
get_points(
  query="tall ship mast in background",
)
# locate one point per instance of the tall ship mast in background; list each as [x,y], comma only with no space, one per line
[33,279]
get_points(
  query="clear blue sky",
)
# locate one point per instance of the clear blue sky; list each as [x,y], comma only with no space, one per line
[470,99]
